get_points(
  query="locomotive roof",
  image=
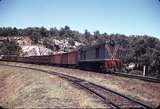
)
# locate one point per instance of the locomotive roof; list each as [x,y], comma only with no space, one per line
[93,46]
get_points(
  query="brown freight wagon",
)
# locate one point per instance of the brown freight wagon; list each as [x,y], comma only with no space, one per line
[45,59]
[9,58]
[51,59]
[64,59]
[69,59]
[72,58]
[20,59]
[34,59]
[58,59]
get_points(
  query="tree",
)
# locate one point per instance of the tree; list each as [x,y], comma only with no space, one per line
[96,34]
[15,31]
[10,47]
[66,32]
[54,32]
[43,32]
[88,37]
[71,42]
[35,37]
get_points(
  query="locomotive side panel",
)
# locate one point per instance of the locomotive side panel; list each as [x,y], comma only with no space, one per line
[92,58]
[95,52]
[102,52]
[90,54]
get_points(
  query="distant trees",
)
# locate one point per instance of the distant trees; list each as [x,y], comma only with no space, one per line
[88,37]
[54,32]
[37,33]
[9,47]
[72,42]
[43,32]
[142,50]
[96,34]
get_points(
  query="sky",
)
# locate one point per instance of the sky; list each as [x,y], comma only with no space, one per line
[130,17]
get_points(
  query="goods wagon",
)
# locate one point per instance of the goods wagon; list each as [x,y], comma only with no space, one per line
[70,59]
[34,59]
[52,59]
[64,59]
[21,59]
[58,59]
[73,58]
[9,58]
[45,59]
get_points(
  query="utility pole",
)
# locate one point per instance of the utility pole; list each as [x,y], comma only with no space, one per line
[144,70]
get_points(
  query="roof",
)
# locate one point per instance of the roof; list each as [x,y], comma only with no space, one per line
[93,46]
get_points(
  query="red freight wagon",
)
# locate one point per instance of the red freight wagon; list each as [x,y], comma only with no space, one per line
[9,58]
[52,59]
[25,59]
[72,58]
[34,59]
[64,59]
[45,59]
[21,59]
[57,59]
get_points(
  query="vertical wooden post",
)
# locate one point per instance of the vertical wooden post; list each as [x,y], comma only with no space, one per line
[144,70]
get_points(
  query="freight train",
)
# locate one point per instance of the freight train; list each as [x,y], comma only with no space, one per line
[100,57]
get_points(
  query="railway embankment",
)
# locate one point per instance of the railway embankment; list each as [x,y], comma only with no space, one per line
[25,88]
[146,91]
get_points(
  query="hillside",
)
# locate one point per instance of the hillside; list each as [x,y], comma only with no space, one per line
[29,48]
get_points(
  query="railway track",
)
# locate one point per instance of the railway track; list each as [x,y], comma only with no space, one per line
[144,78]
[111,98]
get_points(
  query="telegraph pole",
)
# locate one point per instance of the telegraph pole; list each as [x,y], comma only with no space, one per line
[144,70]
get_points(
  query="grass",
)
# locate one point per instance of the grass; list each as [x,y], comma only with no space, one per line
[146,91]
[21,88]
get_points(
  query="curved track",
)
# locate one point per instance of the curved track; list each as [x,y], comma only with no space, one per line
[111,98]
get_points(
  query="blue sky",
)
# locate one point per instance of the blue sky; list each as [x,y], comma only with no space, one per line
[128,17]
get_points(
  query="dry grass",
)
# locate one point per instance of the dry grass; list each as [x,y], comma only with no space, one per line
[21,88]
[146,91]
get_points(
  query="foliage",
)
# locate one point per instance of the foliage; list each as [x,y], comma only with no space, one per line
[9,47]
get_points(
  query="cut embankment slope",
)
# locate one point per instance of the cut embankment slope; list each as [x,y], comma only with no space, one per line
[21,88]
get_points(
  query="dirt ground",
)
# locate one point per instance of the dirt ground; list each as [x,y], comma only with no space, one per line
[21,88]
